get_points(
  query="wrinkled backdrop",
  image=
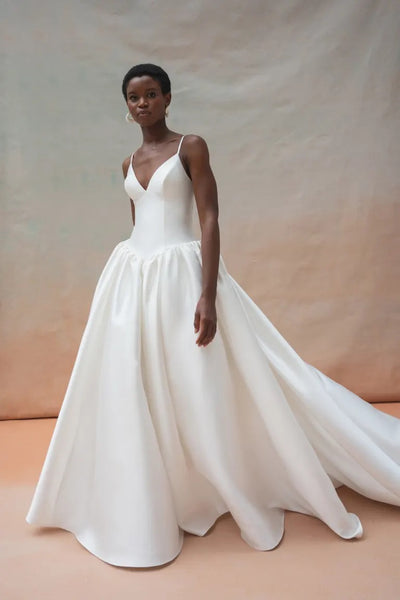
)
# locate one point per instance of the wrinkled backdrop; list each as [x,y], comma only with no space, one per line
[299,103]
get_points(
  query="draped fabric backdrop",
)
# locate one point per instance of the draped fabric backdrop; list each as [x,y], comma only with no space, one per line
[299,103]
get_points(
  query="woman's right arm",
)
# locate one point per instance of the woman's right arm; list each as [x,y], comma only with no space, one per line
[125,167]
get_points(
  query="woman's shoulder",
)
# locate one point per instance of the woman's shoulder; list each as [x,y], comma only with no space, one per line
[125,165]
[194,144]
[192,139]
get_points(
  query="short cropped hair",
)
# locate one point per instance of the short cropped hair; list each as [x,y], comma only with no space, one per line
[153,71]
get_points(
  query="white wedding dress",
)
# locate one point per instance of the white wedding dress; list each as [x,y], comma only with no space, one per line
[157,436]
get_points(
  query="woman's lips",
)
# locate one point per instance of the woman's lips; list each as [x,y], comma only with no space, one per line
[143,113]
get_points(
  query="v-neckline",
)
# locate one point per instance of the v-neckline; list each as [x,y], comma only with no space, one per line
[151,178]
[157,169]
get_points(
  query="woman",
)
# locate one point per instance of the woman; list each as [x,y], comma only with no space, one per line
[148,100]
[170,421]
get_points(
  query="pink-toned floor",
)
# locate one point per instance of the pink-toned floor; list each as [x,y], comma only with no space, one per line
[310,563]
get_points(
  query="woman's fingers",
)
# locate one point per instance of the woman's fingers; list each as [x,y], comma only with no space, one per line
[208,329]
[196,322]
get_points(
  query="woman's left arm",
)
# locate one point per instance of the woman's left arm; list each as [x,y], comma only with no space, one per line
[196,156]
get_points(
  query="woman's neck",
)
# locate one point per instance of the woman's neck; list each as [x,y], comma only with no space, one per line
[155,134]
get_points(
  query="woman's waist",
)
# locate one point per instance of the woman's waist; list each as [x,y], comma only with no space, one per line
[145,243]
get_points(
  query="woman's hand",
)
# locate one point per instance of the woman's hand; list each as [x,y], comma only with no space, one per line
[205,320]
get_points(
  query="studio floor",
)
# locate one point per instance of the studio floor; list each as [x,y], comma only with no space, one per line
[310,563]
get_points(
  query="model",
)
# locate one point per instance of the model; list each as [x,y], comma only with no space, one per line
[184,401]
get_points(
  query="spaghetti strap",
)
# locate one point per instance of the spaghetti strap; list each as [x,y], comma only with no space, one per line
[132,159]
[180,144]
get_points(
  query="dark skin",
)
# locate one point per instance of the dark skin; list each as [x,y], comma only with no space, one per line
[147,105]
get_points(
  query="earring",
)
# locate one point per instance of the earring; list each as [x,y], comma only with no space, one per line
[129,118]
[166,111]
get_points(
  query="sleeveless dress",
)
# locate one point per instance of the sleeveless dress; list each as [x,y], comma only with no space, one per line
[157,436]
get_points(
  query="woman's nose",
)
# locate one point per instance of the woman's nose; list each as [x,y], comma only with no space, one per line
[143,102]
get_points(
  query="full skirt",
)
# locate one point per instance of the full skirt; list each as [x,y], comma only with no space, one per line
[157,436]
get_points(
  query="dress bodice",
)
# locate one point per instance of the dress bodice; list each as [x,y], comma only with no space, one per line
[164,210]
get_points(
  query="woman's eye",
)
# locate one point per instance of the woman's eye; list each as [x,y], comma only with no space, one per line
[152,94]
[132,98]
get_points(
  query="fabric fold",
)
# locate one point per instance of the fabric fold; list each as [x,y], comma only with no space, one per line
[157,436]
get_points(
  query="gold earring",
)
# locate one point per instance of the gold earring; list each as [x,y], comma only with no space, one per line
[129,118]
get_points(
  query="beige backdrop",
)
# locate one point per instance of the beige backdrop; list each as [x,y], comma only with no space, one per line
[299,102]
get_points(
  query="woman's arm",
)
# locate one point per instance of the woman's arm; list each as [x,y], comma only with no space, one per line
[196,156]
[125,167]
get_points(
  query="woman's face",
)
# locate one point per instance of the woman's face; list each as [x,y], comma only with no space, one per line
[145,100]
